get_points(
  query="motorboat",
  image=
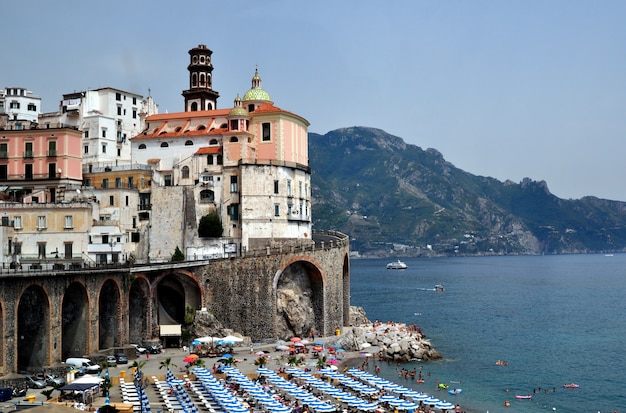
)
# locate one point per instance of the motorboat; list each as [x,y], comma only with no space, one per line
[439,287]
[571,386]
[398,265]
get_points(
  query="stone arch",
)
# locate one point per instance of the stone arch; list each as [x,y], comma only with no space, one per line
[139,310]
[33,329]
[346,290]
[75,321]
[176,292]
[299,292]
[109,312]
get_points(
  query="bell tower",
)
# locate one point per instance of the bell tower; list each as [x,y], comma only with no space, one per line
[200,95]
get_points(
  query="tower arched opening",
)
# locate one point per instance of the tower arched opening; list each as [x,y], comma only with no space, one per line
[109,316]
[74,321]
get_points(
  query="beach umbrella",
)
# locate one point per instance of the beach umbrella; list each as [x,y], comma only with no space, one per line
[189,359]
[444,405]
[282,347]
[232,339]
[295,339]
[227,356]
[298,344]
[431,400]
[318,348]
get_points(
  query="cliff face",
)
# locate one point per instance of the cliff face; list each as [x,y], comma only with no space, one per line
[396,198]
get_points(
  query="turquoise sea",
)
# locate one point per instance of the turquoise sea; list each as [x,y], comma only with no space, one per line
[554,319]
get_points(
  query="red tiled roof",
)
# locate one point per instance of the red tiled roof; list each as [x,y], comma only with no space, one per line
[208,150]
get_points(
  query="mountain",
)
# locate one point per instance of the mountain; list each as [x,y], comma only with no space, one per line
[391,197]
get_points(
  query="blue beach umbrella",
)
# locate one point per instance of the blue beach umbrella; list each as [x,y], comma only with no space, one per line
[444,405]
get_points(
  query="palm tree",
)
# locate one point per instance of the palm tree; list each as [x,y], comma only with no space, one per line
[321,362]
[167,363]
[138,365]
[294,361]
[199,363]
[229,361]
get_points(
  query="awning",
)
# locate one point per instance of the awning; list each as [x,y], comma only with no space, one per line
[79,386]
[170,330]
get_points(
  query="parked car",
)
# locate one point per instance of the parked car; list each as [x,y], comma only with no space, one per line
[6,393]
[112,361]
[121,358]
[50,379]
[54,380]
[35,383]
[139,349]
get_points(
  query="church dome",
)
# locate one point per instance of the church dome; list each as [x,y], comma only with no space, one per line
[256,93]
[238,112]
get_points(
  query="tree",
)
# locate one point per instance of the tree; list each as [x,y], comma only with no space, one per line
[167,363]
[321,363]
[210,226]
[178,255]
[261,361]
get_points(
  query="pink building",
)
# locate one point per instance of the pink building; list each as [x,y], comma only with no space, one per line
[37,165]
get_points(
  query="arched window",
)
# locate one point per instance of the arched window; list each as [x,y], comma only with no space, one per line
[164,145]
[201,127]
[202,79]
[209,159]
[178,129]
[194,107]
[207,195]
[194,79]
[185,172]
[213,142]
[142,146]
[188,143]
[234,139]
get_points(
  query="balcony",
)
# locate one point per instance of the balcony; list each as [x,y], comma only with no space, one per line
[29,154]
[4,155]
[51,153]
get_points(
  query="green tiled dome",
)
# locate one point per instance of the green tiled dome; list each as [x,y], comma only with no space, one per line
[238,111]
[256,94]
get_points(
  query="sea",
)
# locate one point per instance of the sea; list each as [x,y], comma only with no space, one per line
[553,319]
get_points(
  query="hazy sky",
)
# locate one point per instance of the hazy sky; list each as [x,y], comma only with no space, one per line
[507,89]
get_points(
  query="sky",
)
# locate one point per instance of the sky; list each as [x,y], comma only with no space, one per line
[506,89]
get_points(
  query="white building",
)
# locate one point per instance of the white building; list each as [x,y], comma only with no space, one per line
[20,106]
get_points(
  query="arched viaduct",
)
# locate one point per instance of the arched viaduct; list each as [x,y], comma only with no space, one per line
[47,317]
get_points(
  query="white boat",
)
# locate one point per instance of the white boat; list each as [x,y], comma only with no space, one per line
[439,287]
[398,265]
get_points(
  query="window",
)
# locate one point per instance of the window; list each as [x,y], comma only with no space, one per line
[17,222]
[234,139]
[126,201]
[134,100]
[167,180]
[213,142]
[41,250]
[28,150]
[266,132]
[68,250]
[118,96]
[86,134]
[134,237]
[118,182]
[69,222]
[185,172]
[41,222]
[233,212]
[14,105]
[119,111]
[188,143]
[164,145]
[28,171]
[276,210]
[275,187]
[104,133]
[105,238]
[52,148]
[209,159]
[131,182]
[220,159]
[300,188]
[86,149]
[134,113]
[32,106]
[105,183]
[111,200]
[234,124]
[52,170]
[233,184]
[4,150]
[17,248]
[289,191]
[207,195]
[4,172]
[142,146]
[87,181]
[134,222]
[104,148]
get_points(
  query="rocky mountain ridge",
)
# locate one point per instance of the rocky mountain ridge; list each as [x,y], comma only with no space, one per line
[395,198]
